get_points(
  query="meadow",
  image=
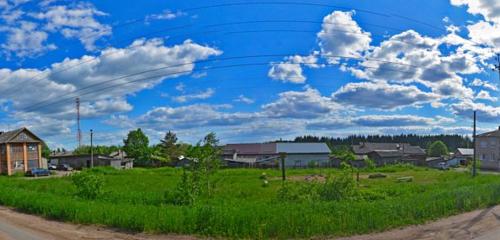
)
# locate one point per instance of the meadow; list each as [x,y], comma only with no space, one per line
[241,206]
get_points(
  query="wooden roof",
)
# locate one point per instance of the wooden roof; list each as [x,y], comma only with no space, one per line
[12,136]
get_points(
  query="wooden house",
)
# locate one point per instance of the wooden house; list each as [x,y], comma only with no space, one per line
[20,151]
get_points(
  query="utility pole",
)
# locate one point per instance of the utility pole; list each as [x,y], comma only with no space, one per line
[78,131]
[496,67]
[91,148]
[283,157]
[474,143]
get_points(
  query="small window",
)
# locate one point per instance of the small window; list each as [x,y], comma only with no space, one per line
[483,144]
[18,165]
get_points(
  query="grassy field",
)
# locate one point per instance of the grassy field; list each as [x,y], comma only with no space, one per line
[241,207]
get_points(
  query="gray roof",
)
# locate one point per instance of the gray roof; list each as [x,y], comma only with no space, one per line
[302,148]
[466,151]
[275,148]
[6,137]
[367,147]
[491,134]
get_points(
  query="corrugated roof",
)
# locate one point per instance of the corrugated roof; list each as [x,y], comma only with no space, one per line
[302,148]
[367,147]
[466,151]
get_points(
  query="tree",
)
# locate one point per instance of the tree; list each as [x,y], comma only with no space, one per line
[136,145]
[206,157]
[437,149]
[46,151]
[170,147]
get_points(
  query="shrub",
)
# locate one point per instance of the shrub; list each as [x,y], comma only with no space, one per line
[88,185]
[338,188]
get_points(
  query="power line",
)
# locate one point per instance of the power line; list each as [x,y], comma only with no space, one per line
[31,107]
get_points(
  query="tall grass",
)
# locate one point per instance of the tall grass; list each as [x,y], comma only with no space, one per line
[242,208]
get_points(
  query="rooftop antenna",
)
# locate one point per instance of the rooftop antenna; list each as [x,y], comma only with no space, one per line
[79,131]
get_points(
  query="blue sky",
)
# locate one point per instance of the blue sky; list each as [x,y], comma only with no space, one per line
[248,70]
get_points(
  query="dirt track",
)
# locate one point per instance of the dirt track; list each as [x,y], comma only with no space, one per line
[481,225]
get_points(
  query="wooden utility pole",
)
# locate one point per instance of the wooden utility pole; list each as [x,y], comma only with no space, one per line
[283,157]
[474,143]
[91,148]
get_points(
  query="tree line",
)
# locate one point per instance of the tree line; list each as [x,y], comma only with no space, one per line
[451,141]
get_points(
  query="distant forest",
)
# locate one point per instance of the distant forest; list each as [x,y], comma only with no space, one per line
[452,141]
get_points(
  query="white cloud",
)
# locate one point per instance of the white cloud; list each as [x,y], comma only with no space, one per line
[480,83]
[341,35]
[290,70]
[392,120]
[25,40]
[485,113]
[306,104]
[167,14]
[244,99]
[485,95]
[195,96]
[489,9]
[59,81]
[381,95]
[75,21]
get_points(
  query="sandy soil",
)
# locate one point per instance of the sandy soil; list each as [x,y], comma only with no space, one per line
[19,226]
[480,224]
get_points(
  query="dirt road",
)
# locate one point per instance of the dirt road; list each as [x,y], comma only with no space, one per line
[479,225]
[19,226]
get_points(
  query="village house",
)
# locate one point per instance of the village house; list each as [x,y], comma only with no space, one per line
[463,155]
[390,153]
[118,160]
[268,154]
[488,149]
[20,151]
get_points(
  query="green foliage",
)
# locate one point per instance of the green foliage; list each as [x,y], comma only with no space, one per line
[186,191]
[240,208]
[88,185]
[169,150]
[369,164]
[338,187]
[136,145]
[102,150]
[46,151]
[437,149]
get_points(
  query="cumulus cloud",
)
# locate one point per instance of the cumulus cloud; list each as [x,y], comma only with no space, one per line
[94,74]
[291,70]
[25,40]
[304,104]
[392,120]
[341,35]
[485,113]
[381,95]
[480,83]
[485,95]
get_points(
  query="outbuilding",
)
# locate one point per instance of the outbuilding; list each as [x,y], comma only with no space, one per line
[20,151]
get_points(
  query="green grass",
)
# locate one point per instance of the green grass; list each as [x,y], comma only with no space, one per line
[242,208]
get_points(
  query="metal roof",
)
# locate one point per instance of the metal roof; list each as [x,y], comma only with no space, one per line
[491,134]
[466,151]
[302,148]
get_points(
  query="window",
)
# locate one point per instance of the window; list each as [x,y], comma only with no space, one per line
[18,165]
[493,142]
[483,157]
[483,144]
[32,164]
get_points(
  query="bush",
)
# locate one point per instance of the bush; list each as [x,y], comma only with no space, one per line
[338,188]
[88,185]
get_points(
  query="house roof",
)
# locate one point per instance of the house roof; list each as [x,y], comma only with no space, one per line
[302,148]
[7,137]
[465,151]
[367,147]
[495,133]
[275,148]
[388,153]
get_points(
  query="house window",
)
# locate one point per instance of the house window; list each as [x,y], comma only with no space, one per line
[483,144]
[18,165]
[483,157]
[32,164]
[493,142]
